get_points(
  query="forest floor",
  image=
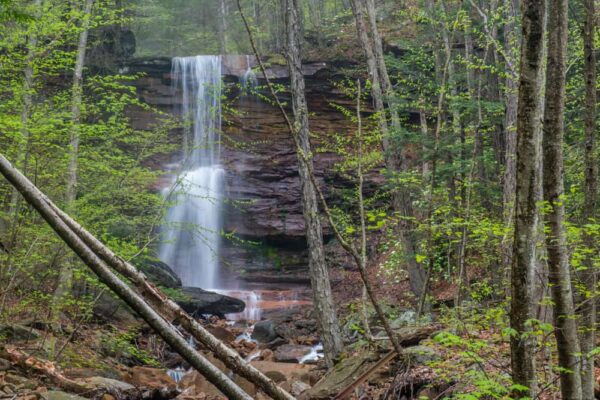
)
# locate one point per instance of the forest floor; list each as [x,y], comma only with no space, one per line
[120,358]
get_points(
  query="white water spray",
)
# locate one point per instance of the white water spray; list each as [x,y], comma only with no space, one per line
[192,231]
[249,80]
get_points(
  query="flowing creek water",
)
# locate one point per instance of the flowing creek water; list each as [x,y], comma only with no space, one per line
[192,232]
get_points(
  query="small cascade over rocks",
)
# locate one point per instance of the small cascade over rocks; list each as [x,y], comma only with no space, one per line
[177,373]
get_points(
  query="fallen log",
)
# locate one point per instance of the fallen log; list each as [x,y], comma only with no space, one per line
[347,392]
[42,367]
[166,307]
[170,310]
[163,328]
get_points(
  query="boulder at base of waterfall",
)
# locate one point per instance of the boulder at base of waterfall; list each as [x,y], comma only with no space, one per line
[197,301]
[159,273]
[291,352]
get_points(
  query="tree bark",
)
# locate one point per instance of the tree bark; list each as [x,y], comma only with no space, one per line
[588,276]
[164,329]
[400,196]
[526,195]
[222,27]
[556,241]
[510,134]
[386,84]
[66,274]
[323,298]
[27,99]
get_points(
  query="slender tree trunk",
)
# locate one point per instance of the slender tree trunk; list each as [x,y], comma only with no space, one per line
[65,278]
[556,240]
[76,100]
[510,135]
[588,308]
[166,330]
[323,298]
[377,43]
[27,100]
[222,27]
[526,199]
[316,14]
[400,196]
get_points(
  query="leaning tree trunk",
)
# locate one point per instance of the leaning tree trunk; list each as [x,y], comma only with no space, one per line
[559,276]
[165,330]
[319,276]
[526,194]
[169,309]
[588,307]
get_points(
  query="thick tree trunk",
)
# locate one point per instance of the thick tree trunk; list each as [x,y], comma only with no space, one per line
[526,199]
[588,308]
[319,276]
[559,276]
[166,330]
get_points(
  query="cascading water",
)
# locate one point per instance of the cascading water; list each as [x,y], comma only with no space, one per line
[191,234]
[249,80]
[193,223]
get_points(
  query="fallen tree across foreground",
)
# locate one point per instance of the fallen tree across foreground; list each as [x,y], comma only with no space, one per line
[150,303]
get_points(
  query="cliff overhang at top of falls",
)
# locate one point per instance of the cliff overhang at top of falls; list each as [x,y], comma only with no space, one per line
[233,66]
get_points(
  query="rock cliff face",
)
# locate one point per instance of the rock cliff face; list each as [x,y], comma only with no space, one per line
[263,210]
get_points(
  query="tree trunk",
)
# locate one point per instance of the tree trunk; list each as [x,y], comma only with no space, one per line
[76,100]
[27,99]
[168,308]
[588,276]
[164,329]
[66,274]
[316,14]
[222,27]
[526,199]
[400,196]
[556,241]
[386,84]
[510,135]
[319,276]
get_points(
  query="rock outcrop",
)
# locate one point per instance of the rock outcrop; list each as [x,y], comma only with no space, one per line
[197,301]
[262,183]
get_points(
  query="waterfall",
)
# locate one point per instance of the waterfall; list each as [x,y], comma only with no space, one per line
[249,80]
[193,223]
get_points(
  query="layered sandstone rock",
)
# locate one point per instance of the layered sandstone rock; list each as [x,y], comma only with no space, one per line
[262,184]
